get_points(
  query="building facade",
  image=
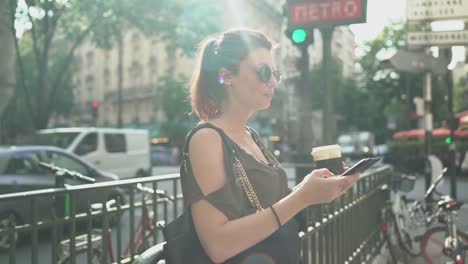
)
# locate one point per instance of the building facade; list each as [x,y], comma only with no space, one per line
[145,61]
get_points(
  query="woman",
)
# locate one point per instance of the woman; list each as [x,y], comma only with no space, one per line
[235,77]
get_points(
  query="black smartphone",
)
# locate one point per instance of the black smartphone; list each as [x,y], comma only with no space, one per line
[361,166]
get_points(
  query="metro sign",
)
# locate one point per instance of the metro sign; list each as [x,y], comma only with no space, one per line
[316,13]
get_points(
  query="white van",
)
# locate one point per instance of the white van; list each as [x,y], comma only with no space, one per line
[124,152]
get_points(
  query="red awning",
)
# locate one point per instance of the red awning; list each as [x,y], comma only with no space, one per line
[439,133]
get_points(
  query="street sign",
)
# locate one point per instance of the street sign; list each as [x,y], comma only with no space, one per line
[438,38]
[436,9]
[416,62]
[321,13]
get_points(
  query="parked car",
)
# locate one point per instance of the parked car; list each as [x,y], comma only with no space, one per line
[125,152]
[20,171]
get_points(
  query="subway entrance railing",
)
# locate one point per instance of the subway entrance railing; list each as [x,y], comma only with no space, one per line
[74,225]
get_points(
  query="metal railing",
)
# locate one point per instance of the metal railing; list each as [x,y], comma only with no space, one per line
[348,229]
[345,231]
[41,221]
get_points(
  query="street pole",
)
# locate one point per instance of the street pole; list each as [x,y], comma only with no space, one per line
[304,144]
[447,52]
[328,117]
[409,103]
[120,81]
[303,65]
[428,125]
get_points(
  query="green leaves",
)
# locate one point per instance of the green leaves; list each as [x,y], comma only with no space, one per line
[58,27]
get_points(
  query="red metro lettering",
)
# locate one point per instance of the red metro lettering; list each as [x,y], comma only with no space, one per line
[322,10]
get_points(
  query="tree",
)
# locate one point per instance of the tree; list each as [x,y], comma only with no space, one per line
[386,91]
[16,118]
[73,21]
[7,67]
[176,106]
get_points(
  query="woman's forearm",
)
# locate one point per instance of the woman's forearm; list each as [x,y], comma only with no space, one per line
[237,235]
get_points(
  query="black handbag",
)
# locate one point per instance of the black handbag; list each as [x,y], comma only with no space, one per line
[182,243]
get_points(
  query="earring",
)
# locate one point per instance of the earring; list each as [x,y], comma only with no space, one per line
[221,79]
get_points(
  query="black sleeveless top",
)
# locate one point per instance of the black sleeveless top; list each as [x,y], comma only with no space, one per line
[269,182]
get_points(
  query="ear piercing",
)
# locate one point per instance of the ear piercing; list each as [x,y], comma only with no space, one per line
[221,79]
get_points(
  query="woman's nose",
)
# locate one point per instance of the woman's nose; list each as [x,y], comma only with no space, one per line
[273,83]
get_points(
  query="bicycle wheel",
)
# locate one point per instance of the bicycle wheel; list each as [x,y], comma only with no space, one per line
[432,245]
[407,240]
[393,241]
[81,256]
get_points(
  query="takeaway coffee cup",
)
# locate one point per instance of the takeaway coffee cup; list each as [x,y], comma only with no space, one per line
[328,157]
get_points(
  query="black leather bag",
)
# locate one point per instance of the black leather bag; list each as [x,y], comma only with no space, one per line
[182,243]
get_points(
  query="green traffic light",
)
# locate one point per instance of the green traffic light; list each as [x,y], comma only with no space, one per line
[299,36]
[448,140]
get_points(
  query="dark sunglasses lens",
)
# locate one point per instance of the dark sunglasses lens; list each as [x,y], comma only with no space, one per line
[264,74]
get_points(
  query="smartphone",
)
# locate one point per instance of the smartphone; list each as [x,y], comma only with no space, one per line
[361,166]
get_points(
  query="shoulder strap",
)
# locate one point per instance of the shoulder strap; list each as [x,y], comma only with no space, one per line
[228,149]
[234,168]
[206,125]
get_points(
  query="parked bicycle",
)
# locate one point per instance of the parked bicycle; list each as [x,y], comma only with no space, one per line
[441,243]
[404,220]
[144,230]
[444,243]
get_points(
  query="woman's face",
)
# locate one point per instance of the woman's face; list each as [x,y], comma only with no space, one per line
[246,88]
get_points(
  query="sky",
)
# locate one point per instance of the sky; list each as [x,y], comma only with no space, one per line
[379,14]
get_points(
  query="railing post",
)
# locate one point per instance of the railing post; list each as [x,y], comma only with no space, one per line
[59,204]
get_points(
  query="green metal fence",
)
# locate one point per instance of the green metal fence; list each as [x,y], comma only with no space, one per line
[348,229]
[38,230]
[69,231]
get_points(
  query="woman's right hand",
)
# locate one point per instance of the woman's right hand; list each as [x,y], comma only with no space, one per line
[322,186]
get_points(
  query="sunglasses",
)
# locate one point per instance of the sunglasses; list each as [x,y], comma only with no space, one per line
[264,73]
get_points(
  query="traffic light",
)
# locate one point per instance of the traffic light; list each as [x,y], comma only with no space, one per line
[300,36]
[95,110]
[448,140]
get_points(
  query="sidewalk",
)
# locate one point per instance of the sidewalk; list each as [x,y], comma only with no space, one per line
[417,193]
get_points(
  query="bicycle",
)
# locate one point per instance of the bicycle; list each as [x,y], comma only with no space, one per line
[405,222]
[144,231]
[445,243]
[400,219]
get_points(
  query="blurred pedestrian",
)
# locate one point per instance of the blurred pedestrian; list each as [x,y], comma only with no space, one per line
[235,77]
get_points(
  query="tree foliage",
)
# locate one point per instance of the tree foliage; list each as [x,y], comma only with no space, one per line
[55,28]
[385,92]
[176,106]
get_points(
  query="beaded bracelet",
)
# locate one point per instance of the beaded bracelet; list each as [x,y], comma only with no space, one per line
[276,216]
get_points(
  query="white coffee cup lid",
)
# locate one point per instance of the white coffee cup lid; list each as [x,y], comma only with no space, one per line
[326,152]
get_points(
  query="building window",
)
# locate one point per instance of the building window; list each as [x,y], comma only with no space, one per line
[135,73]
[152,66]
[90,58]
[106,77]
